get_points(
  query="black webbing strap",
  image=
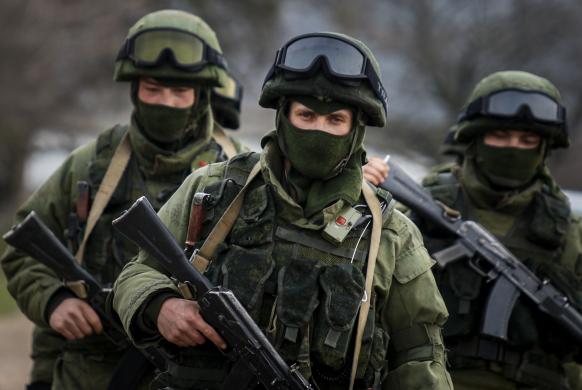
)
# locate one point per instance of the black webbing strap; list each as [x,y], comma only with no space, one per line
[130,370]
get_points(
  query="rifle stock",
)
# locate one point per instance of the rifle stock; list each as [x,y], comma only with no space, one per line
[34,238]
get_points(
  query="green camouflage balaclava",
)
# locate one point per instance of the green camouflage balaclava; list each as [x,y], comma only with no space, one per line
[314,153]
[508,168]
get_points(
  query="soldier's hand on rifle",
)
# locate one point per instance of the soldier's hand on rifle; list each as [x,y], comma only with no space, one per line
[376,170]
[75,319]
[180,323]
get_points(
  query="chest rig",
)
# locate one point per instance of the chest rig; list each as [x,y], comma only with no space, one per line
[303,291]
[107,251]
[537,238]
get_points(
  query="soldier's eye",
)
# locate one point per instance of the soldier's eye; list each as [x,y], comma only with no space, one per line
[306,115]
[338,118]
[530,140]
[501,134]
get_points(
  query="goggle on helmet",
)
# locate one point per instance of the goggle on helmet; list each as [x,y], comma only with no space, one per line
[184,50]
[338,57]
[516,103]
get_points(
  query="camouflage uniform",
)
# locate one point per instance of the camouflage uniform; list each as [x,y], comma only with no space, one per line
[153,170]
[281,268]
[535,222]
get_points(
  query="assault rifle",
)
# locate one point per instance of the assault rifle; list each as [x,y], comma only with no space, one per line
[489,258]
[255,360]
[34,238]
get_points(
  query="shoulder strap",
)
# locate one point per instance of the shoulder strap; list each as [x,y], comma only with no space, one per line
[108,184]
[224,141]
[223,226]
[374,206]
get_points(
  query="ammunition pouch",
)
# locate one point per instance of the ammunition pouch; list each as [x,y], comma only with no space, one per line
[343,289]
[297,298]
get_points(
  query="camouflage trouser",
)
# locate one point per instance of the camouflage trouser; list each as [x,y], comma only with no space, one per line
[76,370]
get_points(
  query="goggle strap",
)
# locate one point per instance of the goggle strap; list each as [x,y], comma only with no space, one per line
[376,85]
[123,52]
[473,109]
[215,58]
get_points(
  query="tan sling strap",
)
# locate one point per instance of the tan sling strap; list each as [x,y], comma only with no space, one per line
[374,206]
[110,181]
[224,141]
[223,226]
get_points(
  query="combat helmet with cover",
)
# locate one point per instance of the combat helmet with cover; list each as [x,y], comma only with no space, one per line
[172,45]
[514,100]
[350,74]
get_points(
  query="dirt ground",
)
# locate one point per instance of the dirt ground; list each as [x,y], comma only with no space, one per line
[15,331]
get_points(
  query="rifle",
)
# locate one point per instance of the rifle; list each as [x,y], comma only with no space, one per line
[34,238]
[487,257]
[255,359]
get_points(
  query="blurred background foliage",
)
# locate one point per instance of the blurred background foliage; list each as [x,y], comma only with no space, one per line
[57,62]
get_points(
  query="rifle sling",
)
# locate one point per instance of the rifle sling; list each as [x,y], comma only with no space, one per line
[225,143]
[374,206]
[130,371]
[218,234]
[108,184]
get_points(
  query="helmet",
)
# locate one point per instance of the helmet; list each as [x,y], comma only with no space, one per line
[451,147]
[319,69]
[171,45]
[225,102]
[514,100]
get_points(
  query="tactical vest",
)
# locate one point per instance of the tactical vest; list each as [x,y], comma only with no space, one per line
[303,291]
[533,351]
[107,251]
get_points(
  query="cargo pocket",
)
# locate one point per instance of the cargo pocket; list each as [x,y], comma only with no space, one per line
[343,288]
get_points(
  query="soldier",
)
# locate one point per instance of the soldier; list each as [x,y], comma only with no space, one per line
[171,59]
[302,238]
[511,122]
